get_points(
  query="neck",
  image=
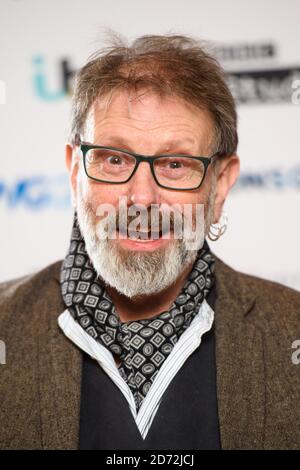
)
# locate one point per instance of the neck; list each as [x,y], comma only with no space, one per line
[147,306]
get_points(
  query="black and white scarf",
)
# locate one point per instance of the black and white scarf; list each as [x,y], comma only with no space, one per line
[141,345]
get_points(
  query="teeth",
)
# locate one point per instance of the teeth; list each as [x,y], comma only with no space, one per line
[143,234]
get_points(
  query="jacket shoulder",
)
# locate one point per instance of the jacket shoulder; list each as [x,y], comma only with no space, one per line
[24,290]
[273,298]
[252,282]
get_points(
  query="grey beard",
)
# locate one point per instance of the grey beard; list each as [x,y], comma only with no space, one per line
[130,273]
[135,274]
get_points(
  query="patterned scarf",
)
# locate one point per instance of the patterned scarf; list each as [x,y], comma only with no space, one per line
[141,345]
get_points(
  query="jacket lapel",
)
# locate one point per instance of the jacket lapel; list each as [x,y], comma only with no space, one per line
[240,363]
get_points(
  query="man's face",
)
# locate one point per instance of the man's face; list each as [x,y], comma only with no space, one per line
[145,124]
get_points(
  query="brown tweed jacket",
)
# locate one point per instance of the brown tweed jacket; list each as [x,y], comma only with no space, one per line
[258,386]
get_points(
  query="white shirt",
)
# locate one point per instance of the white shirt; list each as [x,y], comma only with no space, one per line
[185,346]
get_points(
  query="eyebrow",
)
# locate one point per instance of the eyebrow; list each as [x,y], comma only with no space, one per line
[122,143]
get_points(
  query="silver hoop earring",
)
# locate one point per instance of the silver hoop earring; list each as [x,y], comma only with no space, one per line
[218,229]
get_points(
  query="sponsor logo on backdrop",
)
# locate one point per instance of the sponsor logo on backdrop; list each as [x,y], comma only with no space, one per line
[270,179]
[264,86]
[251,75]
[36,192]
[65,76]
[245,52]
[41,192]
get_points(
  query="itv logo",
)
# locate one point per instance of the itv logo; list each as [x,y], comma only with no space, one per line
[65,74]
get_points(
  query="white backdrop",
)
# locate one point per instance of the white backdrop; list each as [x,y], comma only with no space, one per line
[258,43]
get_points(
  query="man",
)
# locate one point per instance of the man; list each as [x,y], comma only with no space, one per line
[140,339]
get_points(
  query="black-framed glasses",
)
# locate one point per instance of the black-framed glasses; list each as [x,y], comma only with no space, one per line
[117,166]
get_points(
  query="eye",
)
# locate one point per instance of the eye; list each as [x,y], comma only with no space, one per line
[175,164]
[105,157]
[115,159]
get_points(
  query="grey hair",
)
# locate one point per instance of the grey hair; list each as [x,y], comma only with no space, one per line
[166,64]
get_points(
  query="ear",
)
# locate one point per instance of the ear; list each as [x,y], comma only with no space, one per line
[227,174]
[72,166]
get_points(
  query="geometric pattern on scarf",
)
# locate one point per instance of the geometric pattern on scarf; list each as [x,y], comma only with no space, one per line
[141,345]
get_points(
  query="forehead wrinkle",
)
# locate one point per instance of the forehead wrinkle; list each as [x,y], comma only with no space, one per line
[123,136]
[190,120]
[147,125]
[121,133]
[134,106]
[118,120]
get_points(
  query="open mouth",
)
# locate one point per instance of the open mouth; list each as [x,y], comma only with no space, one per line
[142,235]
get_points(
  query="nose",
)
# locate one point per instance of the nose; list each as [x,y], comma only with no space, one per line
[142,186]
